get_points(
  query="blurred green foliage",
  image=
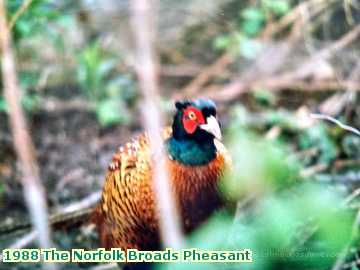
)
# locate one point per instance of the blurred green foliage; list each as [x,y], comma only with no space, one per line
[274,230]
[260,165]
[96,68]
[32,23]
[319,137]
[250,22]
[26,26]
[351,145]
[288,223]
[100,82]
[264,97]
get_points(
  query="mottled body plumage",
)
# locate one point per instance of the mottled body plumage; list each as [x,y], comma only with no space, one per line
[127,215]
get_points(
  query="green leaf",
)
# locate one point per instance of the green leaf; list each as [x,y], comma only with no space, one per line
[251,28]
[253,14]
[278,7]
[264,96]
[222,42]
[112,111]
[253,21]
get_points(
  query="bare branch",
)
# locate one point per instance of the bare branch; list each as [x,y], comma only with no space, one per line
[68,214]
[294,79]
[33,190]
[220,64]
[23,241]
[203,77]
[19,12]
[313,6]
[75,210]
[335,121]
[340,44]
[238,87]
[108,266]
[143,21]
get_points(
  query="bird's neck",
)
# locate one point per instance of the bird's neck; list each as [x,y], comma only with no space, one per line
[191,152]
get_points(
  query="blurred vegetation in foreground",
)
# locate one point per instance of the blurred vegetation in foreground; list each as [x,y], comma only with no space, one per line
[268,64]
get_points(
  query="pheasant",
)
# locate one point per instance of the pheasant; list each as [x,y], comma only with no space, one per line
[126,216]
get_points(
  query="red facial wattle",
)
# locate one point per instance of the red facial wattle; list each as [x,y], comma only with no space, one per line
[192,118]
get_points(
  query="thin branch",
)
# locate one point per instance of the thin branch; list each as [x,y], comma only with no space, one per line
[143,21]
[58,105]
[336,122]
[81,209]
[340,44]
[69,214]
[203,77]
[347,178]
[313,6]
[220,64]
[108,266]
[292,80]
[352,196]
[312,170]
[19,12]
[33,190]
[238,87]
[23,241]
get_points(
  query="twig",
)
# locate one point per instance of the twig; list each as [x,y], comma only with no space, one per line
[23,241]
[185,70]
[335,121]
[68,214]
[87,202]
[347,178]
[76,210]
[340,44]
[58,105]
[143,21]
[341,163]
[315,6]
[292,80]
[335,103]
[33,190]
[307,153]
[203,77]
[352,196]
[310,171]
[19,12]
[238,87]
[108,266]
[272,29]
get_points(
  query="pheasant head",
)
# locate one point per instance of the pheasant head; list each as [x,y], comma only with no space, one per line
[194,131]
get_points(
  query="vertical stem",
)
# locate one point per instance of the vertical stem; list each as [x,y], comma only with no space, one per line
[33,190]
[143,22]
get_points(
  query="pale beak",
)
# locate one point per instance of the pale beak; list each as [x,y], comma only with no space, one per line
[212,126]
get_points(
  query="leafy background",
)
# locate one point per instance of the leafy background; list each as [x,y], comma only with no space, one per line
[292,192]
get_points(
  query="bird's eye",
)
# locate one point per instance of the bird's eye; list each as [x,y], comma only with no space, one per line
[192,115]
